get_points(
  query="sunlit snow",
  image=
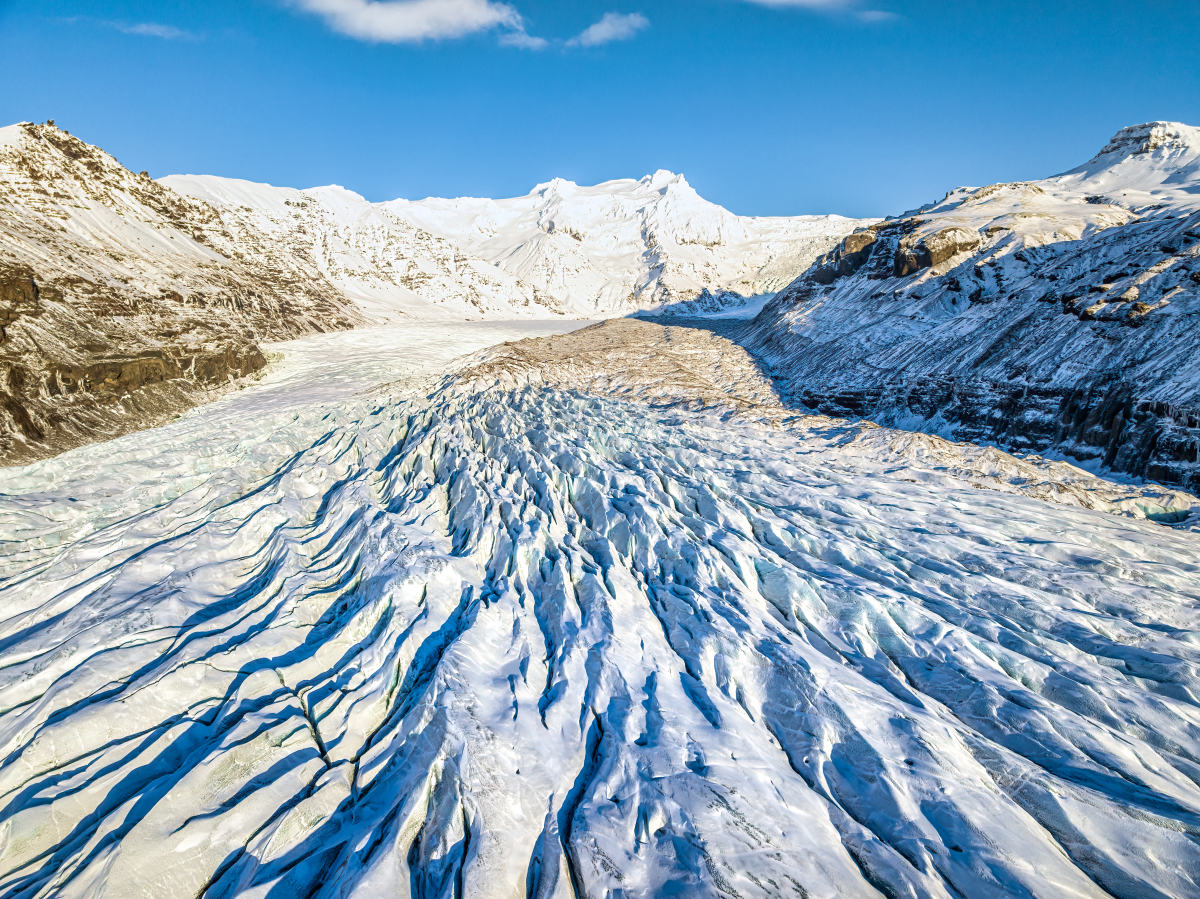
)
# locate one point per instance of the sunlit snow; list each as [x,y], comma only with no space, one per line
[446,638]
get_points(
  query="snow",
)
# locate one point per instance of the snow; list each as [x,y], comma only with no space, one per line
[628,244]
[616,247]
[514,636]
[233,192]
[12,135]
[386,266]
[1004,312]
[1144,164]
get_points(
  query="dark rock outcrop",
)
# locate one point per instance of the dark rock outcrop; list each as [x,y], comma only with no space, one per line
[18,296]
[70,377]
[847,258]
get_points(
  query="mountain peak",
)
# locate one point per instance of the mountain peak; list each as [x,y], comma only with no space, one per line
[1150,137]
[663,178]
[1142,165]
[560,186]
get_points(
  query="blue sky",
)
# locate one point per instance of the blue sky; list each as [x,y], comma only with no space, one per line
[860,107]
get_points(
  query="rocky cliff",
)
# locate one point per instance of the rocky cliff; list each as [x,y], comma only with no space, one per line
[123,302]
[1056,315]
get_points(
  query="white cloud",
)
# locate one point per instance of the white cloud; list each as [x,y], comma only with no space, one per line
[525,41]
[613,27]
[402,21]
[808,4]
[145,29]
[873,16]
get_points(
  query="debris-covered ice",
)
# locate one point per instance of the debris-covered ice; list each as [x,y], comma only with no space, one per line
[502,636]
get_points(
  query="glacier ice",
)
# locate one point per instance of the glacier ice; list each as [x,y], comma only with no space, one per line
[502,636]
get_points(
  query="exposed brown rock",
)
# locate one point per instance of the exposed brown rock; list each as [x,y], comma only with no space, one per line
[99,338]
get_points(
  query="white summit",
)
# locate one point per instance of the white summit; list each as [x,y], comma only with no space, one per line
[625,244]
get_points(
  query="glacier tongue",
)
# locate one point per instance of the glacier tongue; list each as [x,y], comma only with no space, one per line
[499,636]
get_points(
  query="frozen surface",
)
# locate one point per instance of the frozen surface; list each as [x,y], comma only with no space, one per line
[496,636]
[1024,313]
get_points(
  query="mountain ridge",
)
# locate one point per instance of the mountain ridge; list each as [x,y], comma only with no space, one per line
[125,302]
[1050,315]
[631,244]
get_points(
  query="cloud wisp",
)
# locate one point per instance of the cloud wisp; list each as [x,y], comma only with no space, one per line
[522,40]
[612,27]
[142,29]
[852,7]
[153,29]
[411,21]
[808,4]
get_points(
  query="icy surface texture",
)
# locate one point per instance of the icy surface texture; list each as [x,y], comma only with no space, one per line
[511,639]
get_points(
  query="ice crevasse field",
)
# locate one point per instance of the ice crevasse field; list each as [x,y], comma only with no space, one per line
[447,637]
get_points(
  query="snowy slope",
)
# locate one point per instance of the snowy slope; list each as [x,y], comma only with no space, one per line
[626,245]
[106,237]
[123,301]
[527,634]
[1051,314]
[388,267]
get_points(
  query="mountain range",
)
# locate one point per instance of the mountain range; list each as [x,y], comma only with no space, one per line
[529,609]
[125,300]
[1053,315]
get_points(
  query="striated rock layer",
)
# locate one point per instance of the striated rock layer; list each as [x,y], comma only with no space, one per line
[123,302]
[1050,315]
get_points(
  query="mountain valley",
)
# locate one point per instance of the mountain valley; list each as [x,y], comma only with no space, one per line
[344,555]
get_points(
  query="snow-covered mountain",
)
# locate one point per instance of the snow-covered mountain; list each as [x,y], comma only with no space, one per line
[1052,314]
[614,248]
[387,267]
[123,302]
[626,245]
[602,613]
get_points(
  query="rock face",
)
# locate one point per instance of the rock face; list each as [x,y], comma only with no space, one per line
[123,302]
[18,296]
[68,377]
[1052,315]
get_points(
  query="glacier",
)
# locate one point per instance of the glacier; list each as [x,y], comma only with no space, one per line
[125,300]
[574,617]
